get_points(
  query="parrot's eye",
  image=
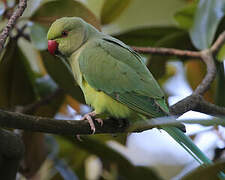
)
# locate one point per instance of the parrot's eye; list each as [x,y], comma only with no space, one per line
[64,33]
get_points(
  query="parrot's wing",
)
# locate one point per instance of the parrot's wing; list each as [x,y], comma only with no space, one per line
[116,70]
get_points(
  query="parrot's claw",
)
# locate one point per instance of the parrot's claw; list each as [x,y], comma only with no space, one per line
[88,117]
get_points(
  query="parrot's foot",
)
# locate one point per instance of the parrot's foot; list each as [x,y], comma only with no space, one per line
[89,117]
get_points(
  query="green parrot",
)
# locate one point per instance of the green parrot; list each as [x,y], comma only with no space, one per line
[112,76]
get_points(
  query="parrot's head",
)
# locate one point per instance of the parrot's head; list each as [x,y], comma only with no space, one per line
[66,35]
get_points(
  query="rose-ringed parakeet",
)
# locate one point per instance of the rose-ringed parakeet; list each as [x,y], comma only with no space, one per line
[113,77]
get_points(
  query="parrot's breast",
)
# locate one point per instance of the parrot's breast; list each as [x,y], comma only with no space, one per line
[102,103]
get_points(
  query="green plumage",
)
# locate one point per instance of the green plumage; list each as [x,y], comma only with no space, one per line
[113,77]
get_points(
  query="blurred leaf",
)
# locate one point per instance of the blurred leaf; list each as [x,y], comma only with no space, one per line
[38,35]
[207,173]
[157,63]
[32,55]
[195,72]
[32,6]
[73,103]
[145,13]
[35,153]
[220,82]
[53,10]
[62,75]
[94,5]
[146,36]
[64,170]
[111,157]
[17,81]
[170,72]
[221,54]
[73,155]
[208,15]
[46,87]
[185,16]
[2,9]
[112,9]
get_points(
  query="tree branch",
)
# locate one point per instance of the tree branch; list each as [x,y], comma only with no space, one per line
[210,75]
[218,43]
[49,125]
[168,51]
[11,23]
[197,103]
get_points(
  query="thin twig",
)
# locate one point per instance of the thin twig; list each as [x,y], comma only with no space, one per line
[218,43]
[11,23]
[168,51]
[210,75]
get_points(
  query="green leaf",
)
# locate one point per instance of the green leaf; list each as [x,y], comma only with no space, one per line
[179,40]
[221,54]
[207,173]
[32,6]
[38,35]
[53,10]
[111,157]
[17,81]
[62,75]
[207,18]
[112,9]
[146,36]
[145,13]
[185,16]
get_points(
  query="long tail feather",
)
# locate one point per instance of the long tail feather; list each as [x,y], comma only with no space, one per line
[187,144]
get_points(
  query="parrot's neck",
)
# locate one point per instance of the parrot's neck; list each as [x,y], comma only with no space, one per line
[92,32]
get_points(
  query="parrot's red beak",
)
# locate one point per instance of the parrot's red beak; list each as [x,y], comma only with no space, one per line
[52,46]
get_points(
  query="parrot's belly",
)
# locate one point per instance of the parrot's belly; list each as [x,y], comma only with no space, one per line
[102,103]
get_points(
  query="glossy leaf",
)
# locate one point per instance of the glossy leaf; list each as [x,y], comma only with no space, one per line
[53,10]
[17,85]
[38,35]
[207,173]
[112,9]
[146,36]
[185,16]
[62,75]
[207,18]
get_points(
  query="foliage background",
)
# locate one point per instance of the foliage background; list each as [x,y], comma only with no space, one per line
[29,73]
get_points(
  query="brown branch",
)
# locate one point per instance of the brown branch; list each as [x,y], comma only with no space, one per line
[218,43]
[49,125]
[11,23]
[210,75]
[197,103]
[168,51]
